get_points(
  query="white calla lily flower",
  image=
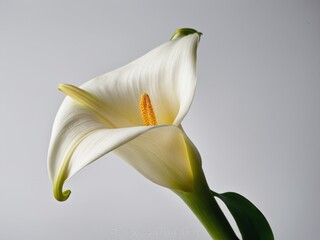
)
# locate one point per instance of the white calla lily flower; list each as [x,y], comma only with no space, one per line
[135,111]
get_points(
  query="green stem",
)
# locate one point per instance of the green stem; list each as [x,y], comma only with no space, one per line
[201,201]
[207,210]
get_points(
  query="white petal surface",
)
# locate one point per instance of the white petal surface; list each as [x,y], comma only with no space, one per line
[78,138]
[158,152]
[99,143]
[72,123]
[167,74]
[161,155]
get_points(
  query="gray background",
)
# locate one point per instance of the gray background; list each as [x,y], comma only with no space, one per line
[255,117]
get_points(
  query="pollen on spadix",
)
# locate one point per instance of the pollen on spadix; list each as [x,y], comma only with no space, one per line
[146,111]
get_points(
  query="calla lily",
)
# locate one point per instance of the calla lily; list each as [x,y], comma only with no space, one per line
[135,111]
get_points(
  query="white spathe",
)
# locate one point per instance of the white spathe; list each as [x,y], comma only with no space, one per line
[104,115]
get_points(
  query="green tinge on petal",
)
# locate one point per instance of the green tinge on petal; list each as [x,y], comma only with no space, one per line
[58,192]
[184,32]
[87,100]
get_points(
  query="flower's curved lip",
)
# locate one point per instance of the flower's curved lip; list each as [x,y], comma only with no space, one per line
[63,175]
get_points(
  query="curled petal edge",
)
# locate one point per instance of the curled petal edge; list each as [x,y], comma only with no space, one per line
[64,172]
[58,192]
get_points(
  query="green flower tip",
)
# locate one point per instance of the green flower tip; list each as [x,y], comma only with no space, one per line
[62,196]
[184,32]
[58,192]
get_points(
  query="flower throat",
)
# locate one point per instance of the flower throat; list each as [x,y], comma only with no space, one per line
[146,111]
